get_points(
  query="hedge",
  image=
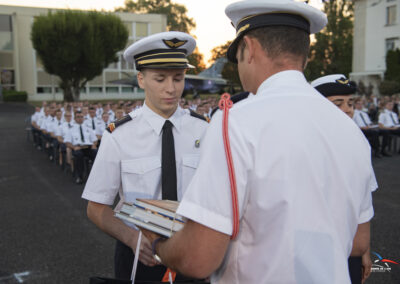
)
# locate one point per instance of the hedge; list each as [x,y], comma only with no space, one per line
[14,96]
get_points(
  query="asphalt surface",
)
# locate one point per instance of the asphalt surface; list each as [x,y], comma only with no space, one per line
[45,236]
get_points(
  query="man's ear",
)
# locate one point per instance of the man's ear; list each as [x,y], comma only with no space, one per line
[250,46]
[140,79]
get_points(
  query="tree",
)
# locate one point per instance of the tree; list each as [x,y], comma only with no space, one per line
[230,71]
[331,53]
[196,59]
[393,65]
[76,46]
[177,20]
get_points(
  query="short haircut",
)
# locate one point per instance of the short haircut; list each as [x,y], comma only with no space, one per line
[77,112]
[280,41]
[92,108]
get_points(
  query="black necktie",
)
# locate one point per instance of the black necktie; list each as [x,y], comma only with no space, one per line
[394,121]
[362,117]
[93,123]
[168,165]
[82,137]
[69,125]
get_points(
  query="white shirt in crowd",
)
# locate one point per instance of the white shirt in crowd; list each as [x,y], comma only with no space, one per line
[75,138]
[388,118]
[302,192]
[361,118]
[101,127]
[36,117]
[91,122]
[129,158]
[64,129]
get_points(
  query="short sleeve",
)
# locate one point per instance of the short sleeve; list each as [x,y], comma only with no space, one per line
[208,198]
[105,177]
[381,118]
[68,137]
[367,210]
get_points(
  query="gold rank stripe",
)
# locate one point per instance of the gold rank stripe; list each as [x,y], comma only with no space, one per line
[163,60]
[155,54]
[245,27]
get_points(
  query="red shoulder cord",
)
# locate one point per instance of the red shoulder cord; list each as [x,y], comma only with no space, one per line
[225,104]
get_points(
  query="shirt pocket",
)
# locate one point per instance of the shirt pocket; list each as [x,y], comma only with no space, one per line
[189,166]
[141,178]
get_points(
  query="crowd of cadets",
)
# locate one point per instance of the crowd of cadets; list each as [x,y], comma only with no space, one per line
[70,133]
[378,118]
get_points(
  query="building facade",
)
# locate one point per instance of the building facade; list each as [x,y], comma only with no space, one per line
[376,30]
[22,70]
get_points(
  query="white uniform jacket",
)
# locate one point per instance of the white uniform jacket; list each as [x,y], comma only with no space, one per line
[388,118]
[129,158]
[361,118]
[74,137]
[304,180]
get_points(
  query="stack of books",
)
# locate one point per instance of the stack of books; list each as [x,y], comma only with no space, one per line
[157,216]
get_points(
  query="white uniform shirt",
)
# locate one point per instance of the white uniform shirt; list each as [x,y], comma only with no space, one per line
[74,136]
[101,127]
[64,129]
[361,118]
[55,125]
[90,122]
[47,123]
[304,185]
[130,157]
[388,118]
[36,116]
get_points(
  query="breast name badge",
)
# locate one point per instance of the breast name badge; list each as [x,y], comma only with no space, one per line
[197,143]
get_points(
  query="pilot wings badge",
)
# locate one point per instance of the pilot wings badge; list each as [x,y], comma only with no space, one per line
[174,43]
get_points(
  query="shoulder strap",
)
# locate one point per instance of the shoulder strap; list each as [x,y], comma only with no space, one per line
[113,125]
[225,104]
[195,114]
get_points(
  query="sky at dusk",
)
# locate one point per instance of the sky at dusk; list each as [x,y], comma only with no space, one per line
[213,28]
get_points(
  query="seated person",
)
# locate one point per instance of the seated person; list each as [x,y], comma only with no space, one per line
[102,125]
[337,89]
[82,141]
[371,131]
[65,153]
[388,120]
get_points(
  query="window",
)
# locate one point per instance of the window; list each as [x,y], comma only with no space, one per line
[127,89]
[391,15]
[7,78]
[6,42]
[95,89]
[43,90]
[112,90]
[141,30]
[391,44]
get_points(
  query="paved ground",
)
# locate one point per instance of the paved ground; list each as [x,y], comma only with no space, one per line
[45,236]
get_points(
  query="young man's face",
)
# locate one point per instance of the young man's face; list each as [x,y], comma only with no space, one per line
[79,118]
[59,115]
[358,105]
[92,112]
[68,116]
[163,89]
[389,106]
[345,103]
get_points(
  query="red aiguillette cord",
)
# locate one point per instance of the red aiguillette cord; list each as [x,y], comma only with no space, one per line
[225,104]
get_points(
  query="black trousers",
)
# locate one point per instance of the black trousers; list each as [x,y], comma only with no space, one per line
[79,159]
[123,262]
[373,138]
[355,269]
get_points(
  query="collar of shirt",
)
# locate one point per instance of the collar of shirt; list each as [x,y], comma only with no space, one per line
[157,122]
[281,79]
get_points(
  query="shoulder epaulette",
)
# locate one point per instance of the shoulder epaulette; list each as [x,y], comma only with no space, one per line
[113,125]
[235,99]
[195,114]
